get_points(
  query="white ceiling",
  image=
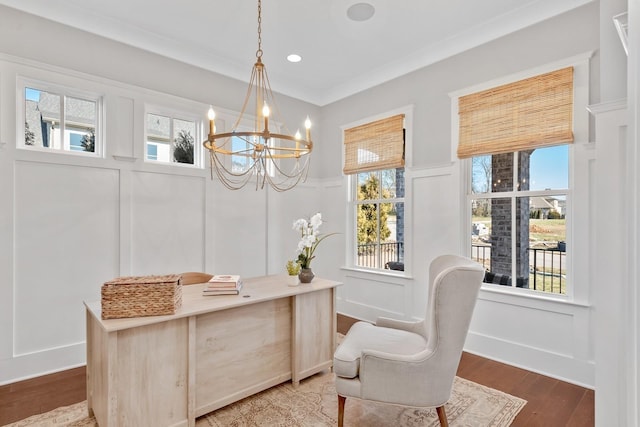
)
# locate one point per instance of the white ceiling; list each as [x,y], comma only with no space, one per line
[340,56]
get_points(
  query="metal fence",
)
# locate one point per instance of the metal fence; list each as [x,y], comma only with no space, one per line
[375,255]
[546,267]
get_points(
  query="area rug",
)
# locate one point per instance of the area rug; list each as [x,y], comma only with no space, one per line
[314,403]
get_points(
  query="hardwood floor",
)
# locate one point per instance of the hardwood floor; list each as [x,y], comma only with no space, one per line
[37,395]
[550,402]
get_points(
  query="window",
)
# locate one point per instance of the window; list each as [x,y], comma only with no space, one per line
[172,140]
[374,161]
[240,164]
[57,120]
[516,138]
[518,206]
[379,207]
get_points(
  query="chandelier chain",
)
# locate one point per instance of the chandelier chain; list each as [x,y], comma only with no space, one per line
[259,51]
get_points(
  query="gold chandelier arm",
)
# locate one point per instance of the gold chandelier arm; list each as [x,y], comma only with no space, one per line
[260,134]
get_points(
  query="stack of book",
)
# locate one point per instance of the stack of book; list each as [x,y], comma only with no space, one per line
[223,284]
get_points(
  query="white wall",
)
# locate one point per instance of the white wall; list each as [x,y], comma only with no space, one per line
[633,98]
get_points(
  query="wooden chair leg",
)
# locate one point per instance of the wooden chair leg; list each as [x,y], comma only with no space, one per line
[442,416]
[341,400]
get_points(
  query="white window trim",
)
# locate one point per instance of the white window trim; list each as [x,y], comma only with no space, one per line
[350,213]
[581,137]
[63,90]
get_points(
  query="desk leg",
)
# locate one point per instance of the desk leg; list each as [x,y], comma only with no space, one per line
[191,373]
[295,341]
[89,376]
[312,333]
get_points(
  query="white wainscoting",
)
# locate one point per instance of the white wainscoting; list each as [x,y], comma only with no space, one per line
[537,334]
[66,229]
[167,220]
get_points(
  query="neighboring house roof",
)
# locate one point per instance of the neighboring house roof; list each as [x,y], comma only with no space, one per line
[78,112]
[158,127]
[32,119]
[539,203]
[547,203]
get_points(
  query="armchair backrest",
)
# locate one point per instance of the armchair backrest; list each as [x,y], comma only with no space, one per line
[454,283]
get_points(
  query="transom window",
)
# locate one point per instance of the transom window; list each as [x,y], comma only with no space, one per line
[172,139]
[56,120]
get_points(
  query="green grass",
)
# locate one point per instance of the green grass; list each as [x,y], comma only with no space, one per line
[540,230]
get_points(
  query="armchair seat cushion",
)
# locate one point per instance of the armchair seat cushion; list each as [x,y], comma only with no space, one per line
[365,336]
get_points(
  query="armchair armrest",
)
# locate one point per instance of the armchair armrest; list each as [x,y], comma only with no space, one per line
[415,327]
[403,379]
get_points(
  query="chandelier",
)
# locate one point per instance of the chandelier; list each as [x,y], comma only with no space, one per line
[241,155]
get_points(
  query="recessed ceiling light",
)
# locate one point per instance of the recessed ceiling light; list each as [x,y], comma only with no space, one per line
[294,58]
[361,12]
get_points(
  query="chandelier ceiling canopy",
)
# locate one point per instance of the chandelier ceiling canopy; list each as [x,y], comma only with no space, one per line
[257,152]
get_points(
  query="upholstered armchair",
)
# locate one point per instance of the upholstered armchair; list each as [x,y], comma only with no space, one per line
[412,363]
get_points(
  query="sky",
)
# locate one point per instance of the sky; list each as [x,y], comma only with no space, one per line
[549,168]
[32,94]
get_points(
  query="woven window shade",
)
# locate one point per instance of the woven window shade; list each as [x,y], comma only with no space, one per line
[531,113]
[375,146]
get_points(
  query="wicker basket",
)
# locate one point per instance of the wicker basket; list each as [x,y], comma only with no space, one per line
[136,296]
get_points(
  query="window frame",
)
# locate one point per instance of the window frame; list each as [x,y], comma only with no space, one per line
[350,184]
[513,194]
[175,114]
[577,281]
[377,201]
[64,91]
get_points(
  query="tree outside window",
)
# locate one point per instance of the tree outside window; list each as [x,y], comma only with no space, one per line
[170,140]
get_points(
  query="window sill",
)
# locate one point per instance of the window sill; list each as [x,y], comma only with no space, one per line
[517,296]
[363,273]
[125,158]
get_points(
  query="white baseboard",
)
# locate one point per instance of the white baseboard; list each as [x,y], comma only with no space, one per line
[40,363]
[554,365]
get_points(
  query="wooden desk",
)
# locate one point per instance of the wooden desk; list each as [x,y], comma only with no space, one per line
[168,370]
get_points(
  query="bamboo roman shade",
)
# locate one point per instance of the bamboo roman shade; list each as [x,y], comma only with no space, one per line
[527,114]
[374,146]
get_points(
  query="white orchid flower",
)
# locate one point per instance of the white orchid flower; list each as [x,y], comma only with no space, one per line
[300,224]
[310,238]
[316,221]
[308,241]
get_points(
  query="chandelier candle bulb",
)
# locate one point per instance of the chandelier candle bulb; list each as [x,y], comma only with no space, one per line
[265,113]
[307,125]
[212,116]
